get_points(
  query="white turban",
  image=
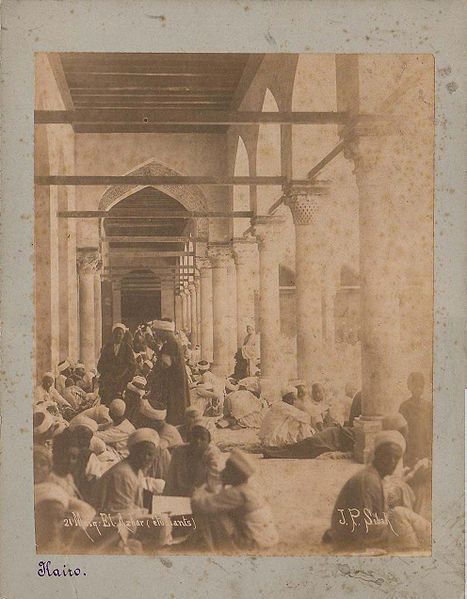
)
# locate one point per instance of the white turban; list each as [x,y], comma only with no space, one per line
[390,437]
[80,366]
[145,409]
[289,389]
[149,364]
[203,365]
[143,434]
[250,383]
[242,462]
[63,366]
[138,385]
[119,325]
[44,423]
[50,492]
[163,325]
[117,407]
[83,421]
[49,374]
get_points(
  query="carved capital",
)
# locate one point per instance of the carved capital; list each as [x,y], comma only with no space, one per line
[304,202]
[267,229]
[220,255]
[365,141]
[203,263]
[244,252]
[88,260]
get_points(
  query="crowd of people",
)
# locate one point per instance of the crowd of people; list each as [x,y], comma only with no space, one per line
[125,462]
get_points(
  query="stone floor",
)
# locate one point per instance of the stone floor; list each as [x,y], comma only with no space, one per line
[301,493]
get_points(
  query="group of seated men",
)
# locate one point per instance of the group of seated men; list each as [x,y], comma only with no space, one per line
[118,477]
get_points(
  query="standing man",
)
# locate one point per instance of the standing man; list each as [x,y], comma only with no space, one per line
[116,365]
[419,415]
[168,384]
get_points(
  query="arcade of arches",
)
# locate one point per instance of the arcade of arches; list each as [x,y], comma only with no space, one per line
[334,272]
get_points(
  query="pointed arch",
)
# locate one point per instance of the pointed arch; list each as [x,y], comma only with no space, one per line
[241,193]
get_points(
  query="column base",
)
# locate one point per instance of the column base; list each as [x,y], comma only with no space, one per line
[365,431]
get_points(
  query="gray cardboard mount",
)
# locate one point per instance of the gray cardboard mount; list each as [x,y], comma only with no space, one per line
[362,26]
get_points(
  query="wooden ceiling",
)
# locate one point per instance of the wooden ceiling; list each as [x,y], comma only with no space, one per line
[145,204]
[155,81]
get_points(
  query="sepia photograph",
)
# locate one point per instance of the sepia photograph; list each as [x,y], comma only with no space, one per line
[233,295]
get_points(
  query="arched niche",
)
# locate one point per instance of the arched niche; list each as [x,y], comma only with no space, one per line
[191,197]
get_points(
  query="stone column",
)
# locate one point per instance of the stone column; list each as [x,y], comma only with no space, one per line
[167,298]
[220,255]
[106,302]
[198,307]
[245,254]
[379,289]
[304,205]
[206,309]
[116,300]
[89,263]
[232,319]
[189,324]
[267,231]
[193,315]
[178,311]
[97,314]
[184,309]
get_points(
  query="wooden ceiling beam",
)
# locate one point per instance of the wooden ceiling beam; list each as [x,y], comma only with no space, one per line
[148,238]
[165,216]
[135,128]
[149,180]
[185,117]
[135,253]
[144,79]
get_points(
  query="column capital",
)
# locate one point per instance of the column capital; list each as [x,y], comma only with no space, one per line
[267,228]
[203,263]
[304,202]
[220,255]
[88,260]
[244,251]
[364,143]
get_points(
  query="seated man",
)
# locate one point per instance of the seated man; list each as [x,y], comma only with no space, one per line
[117,433]
[46,426]
[242,409]
[408,487]
[237,517]
[286,422]
[202,396]
[361,519]
[150,417]
[120,490]
[319,407]
[47,396]
[134,392]
[82,378]
[64,370]
[192,418]
[193,464]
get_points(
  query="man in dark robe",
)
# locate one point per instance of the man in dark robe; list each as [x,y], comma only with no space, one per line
[168,383]
[361,518]
[333,438]
[419,415]
[116,366]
